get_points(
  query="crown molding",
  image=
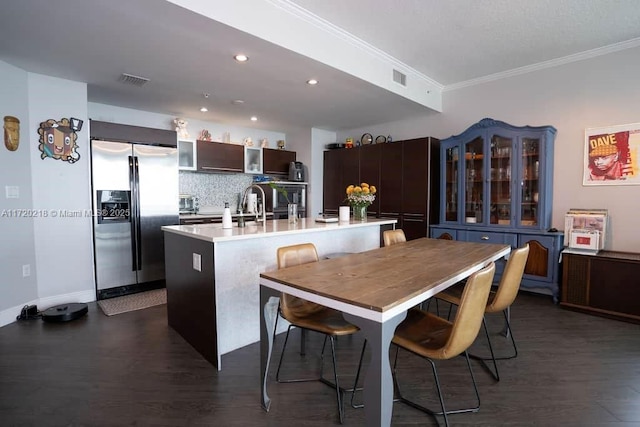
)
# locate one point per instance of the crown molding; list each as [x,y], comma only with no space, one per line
[593,53]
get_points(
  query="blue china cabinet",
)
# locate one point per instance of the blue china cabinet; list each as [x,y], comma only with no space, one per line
[497,187]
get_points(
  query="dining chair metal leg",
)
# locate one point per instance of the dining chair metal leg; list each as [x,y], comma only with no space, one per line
[355,383]
[494,373]
[335,379]
[335,384]
[444,412]
[508,333]
[284,347]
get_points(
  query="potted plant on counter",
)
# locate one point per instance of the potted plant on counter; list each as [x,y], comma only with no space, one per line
[292,208]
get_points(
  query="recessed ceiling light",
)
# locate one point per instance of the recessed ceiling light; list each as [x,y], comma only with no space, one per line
[237,101]
[204,109]
[241,58]
[254,119]
[312,82]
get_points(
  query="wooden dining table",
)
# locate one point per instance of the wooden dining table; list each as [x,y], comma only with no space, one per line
[373,290]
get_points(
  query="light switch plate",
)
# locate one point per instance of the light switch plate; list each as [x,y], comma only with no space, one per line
[12,191]
[197,262]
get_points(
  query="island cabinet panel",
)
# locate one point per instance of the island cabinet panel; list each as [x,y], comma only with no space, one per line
[605,284]
[192,312]
[276,162]
[405,174]
[217,157]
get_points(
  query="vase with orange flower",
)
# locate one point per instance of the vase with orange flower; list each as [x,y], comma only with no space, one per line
[360,197]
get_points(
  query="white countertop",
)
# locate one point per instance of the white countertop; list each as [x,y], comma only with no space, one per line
[215,232]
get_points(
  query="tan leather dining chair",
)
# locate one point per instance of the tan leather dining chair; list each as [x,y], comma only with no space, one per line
[499,300]
[391,237]
[311,316]
[435,338]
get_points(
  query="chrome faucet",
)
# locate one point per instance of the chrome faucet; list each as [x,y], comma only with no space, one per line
[244,201]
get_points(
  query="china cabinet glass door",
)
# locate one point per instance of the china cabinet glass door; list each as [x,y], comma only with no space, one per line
[500,183]
[451,183]
[530,182]
[474,181]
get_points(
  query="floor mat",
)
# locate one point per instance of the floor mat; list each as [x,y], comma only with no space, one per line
[133,302]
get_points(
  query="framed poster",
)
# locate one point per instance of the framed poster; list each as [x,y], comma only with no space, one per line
[611,155]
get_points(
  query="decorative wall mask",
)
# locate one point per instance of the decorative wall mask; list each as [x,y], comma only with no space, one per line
[58,139]
[11,133]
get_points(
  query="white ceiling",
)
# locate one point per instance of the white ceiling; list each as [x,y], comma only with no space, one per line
[184,54]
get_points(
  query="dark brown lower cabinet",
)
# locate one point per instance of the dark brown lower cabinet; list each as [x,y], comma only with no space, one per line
[606,284]
[414,225]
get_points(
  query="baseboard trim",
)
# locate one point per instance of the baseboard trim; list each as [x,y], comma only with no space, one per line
[9,315]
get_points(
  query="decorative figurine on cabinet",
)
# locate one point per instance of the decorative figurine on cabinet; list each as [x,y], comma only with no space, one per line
[181,128]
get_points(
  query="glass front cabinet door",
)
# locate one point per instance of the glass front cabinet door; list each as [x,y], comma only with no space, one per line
[187,155]
[498,175]
[497,187]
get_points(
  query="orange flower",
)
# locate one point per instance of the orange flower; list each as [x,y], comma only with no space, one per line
[361,195]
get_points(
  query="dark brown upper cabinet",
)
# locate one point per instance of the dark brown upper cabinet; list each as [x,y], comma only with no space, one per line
[276,162]
[220,157]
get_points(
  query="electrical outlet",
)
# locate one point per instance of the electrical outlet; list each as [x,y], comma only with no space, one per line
[197,262]
[26,270]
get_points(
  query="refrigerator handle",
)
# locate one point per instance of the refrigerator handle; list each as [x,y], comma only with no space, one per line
[132,216]
[136,173]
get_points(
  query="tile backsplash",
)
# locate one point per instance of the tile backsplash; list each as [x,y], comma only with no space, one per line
[214,189]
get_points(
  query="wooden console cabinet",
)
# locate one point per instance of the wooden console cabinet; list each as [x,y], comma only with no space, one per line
[606,284]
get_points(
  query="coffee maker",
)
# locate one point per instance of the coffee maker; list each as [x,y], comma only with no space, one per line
[296,171]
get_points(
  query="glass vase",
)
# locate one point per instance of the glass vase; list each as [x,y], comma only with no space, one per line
[292,211]
[359,213]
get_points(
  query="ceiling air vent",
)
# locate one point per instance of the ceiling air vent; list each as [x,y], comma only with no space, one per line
[132,80]
[400,78]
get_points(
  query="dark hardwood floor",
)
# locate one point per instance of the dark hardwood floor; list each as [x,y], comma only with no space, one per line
[132,369]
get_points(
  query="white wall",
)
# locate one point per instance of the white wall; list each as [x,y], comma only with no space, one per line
[601,91]
[64,260]
[17,243]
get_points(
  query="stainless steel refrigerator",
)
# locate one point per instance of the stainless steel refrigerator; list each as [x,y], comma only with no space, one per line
[135,193]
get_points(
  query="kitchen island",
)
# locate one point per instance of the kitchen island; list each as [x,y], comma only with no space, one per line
[213,274]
